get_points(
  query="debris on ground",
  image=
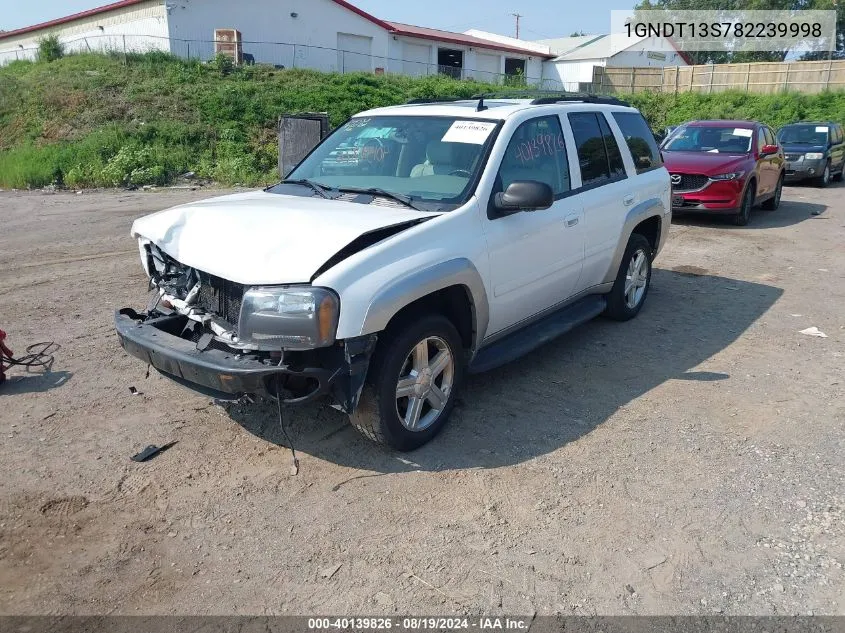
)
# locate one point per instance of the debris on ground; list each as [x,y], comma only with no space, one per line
[150,452]
[813,331]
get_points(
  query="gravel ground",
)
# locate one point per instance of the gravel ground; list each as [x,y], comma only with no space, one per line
[687,462]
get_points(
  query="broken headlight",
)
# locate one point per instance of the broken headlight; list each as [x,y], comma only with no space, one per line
[292,318]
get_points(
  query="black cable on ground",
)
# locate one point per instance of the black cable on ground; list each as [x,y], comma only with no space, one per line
[37,355]
[294,469]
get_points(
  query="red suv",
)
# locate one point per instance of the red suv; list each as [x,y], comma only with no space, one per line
[724,167]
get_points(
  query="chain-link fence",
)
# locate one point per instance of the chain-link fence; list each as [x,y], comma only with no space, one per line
[282,55]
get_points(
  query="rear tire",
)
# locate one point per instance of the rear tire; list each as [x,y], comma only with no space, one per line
[633,280]
[424,361]
[742,218]
[774,202]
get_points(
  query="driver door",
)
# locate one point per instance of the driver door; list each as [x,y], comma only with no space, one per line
[535,257]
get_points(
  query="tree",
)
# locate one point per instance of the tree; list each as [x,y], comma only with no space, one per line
[577,34]
[722,57]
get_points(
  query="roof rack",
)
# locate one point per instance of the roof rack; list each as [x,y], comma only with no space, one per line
[583,98]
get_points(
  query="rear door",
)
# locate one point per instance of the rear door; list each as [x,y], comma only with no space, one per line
[605,191]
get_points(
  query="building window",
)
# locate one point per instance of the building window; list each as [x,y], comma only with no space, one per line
[514,71]
[450,61]
[514,66]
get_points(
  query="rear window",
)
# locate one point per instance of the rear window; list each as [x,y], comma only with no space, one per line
[640,141]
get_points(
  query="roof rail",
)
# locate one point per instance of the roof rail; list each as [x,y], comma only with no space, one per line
[583,98]
[425,100]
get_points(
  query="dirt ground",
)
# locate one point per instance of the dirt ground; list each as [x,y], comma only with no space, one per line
[691,461]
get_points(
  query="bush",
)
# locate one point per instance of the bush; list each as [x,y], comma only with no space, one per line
[88,120]
[50,48]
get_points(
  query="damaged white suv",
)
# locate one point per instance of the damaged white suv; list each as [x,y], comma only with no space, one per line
[414,244]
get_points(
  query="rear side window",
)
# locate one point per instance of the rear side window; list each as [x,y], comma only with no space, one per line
[598,152]
[640,141]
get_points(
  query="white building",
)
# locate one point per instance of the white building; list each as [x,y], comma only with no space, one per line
[328,35]
[575,57]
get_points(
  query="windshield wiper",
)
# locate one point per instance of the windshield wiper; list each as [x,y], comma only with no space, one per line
[322,190]
[376,191]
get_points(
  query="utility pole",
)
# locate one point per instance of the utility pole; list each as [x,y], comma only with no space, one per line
[517,16]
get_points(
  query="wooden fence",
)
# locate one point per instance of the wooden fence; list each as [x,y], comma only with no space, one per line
[763,77]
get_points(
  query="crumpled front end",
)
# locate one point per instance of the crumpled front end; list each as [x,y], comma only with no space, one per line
[190,332]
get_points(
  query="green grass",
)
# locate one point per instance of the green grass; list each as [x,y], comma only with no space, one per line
[90,120]
[93,120]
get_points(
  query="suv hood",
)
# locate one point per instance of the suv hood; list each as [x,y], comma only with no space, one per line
[265,238]
[706,163]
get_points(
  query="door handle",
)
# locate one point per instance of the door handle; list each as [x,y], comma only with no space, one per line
[628,200]
[572,220]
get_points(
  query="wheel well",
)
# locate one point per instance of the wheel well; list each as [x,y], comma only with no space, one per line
[452,302]
[650,229]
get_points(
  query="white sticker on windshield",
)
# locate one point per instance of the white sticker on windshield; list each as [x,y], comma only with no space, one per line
[822,128]
[475,132]
[741,131]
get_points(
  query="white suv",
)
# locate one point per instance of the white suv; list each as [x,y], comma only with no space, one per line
[414,244]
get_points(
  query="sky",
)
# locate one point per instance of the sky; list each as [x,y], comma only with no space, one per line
[542,18]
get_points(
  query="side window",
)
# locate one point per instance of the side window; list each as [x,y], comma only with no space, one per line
[592,150]
[614,156]
[640,141]
[768,138]
[761,138]
[838,129]
[536,151]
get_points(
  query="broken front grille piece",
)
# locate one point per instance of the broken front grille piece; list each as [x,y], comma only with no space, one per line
[220,297]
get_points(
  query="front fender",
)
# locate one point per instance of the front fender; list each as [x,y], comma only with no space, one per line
[403,291]
[652,207]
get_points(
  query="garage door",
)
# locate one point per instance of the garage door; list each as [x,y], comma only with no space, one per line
[416,59]
[354,53]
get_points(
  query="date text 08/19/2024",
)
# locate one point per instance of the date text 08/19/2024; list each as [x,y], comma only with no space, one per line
[419,624]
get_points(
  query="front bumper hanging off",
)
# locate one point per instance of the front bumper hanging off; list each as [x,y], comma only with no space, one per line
[217,372]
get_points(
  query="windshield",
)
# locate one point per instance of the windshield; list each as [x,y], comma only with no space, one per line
[423,159]
[803,134]
[717,140]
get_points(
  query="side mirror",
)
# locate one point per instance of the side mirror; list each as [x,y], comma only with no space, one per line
[524,195]
[768,150]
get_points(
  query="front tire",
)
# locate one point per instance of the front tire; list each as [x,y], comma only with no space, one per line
[412,383]
[744,215]
[633,280]
[824,179]
[774,202]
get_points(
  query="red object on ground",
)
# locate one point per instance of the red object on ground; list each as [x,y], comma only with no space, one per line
[5,352]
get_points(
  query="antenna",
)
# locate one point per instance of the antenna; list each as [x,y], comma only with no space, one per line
[517,16]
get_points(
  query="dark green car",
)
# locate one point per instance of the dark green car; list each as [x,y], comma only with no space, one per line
[814,151]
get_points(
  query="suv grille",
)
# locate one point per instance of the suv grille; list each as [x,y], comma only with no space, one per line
[793,157]
[688,182]
[221,297]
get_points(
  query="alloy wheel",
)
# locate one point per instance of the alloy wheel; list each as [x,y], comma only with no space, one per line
[636,279]
[425,383]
